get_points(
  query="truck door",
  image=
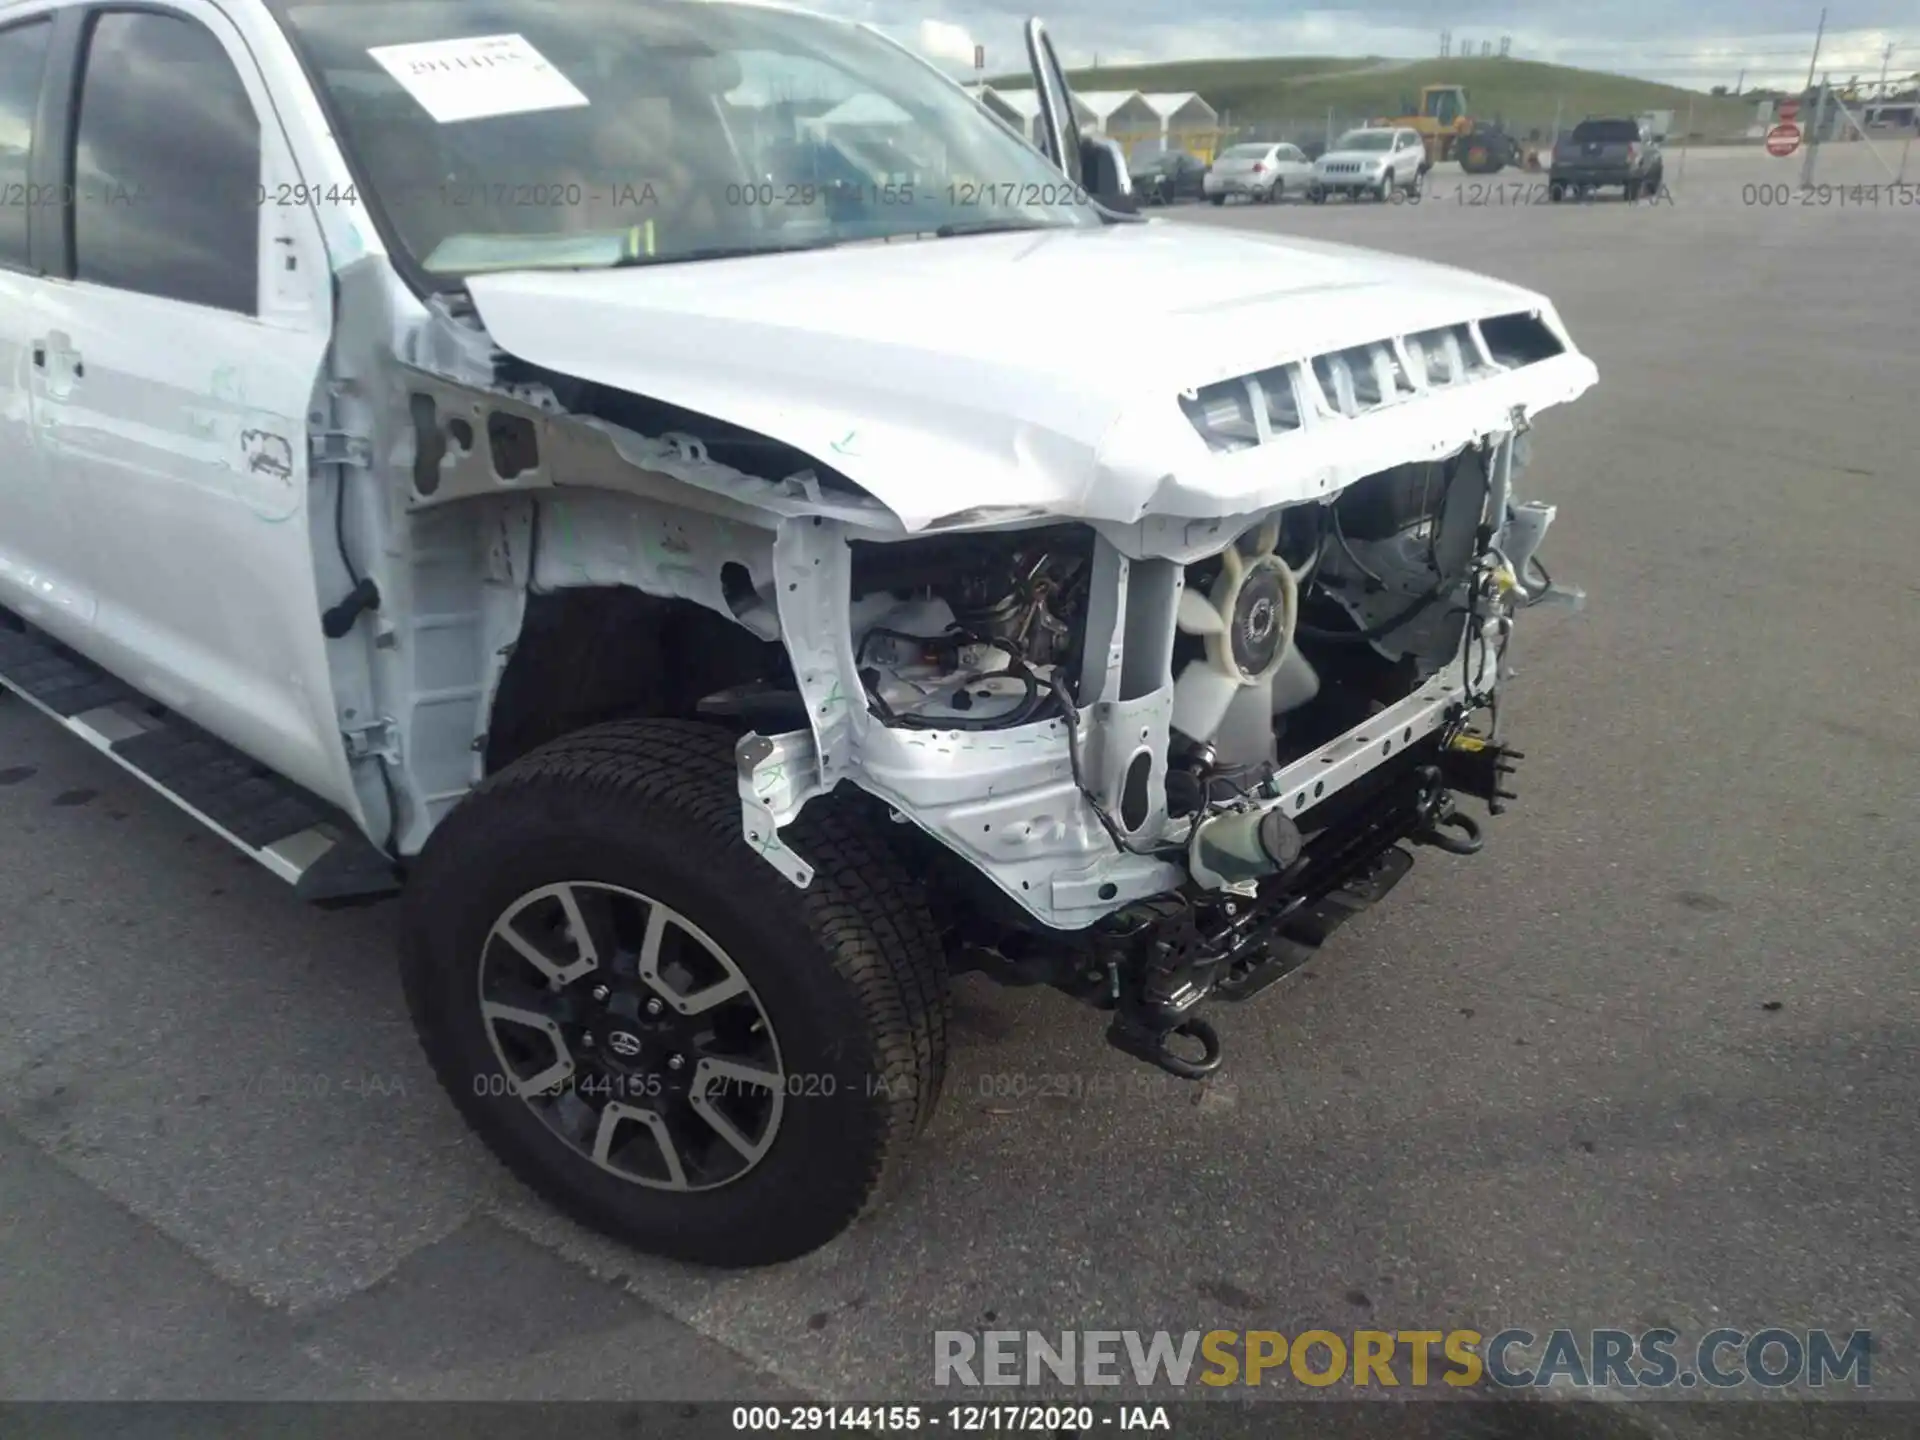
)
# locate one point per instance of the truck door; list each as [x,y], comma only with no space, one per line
[41,556]
[182,355]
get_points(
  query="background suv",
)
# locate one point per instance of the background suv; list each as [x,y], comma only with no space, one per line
[1372,162]
[1605,152]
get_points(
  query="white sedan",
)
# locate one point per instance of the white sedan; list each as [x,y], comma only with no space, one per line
[1259,171]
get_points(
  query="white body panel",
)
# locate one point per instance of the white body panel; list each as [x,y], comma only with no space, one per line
[200,566]
[161,507]
[44,570]
[894,364]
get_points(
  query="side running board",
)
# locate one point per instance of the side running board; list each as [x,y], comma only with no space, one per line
[296,836]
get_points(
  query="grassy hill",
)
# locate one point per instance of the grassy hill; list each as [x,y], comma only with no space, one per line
[1206,76]
[1296,91]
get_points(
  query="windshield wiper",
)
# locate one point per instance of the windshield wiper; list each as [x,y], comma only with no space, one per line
[722,252]
[991,227]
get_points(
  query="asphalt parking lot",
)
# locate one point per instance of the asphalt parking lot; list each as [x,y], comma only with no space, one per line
[1653,1058]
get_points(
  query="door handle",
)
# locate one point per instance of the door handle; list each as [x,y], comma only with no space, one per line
[56,347]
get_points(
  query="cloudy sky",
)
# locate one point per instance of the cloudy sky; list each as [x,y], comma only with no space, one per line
[1682,42]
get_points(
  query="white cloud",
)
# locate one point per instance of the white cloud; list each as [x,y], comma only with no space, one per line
[944,41]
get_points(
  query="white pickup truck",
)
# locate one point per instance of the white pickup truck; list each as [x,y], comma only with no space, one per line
[504,455]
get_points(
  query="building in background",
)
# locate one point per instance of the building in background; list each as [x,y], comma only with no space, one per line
[1187,123]
[1021,109]
[1018,108]
[1141,123]
[1122,115]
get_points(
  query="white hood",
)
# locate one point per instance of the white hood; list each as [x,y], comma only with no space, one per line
[1364,157]
[1024,374]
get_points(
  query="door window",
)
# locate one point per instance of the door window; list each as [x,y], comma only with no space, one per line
[23,56]
[166,164]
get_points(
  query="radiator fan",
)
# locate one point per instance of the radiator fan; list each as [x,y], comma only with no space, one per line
[1251,671]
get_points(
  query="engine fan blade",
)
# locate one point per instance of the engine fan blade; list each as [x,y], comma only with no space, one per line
[1200,699]
[1197,615]
[1294,683]
[1245,736]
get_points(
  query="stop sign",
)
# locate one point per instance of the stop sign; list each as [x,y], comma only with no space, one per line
[1783,139]
[1789,109]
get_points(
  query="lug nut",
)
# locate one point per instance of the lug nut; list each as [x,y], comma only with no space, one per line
[586,1041]
[654,1007]
[600,993]
[674,1062]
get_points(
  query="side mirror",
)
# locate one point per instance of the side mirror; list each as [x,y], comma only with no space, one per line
[1103,170]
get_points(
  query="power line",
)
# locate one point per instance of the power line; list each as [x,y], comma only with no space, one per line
[1721,56]
[1715,67]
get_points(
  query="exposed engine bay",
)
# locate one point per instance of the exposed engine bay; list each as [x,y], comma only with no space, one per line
[1375,620]
[1156,682]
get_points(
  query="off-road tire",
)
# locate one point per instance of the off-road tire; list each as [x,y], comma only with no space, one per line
[849,973]
[1383,192]
[1556,191]
[1218,199]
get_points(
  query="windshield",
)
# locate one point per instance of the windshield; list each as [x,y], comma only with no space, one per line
[1366,140]
[501,134]
[1606,131]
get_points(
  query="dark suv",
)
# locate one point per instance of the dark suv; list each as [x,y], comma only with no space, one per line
[1605,152]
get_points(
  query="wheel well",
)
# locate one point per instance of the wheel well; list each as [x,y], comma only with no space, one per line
[592,654]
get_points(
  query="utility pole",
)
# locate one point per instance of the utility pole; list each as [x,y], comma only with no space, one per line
[1813,134]
[1741,83]
[1818,35]
[1885,60]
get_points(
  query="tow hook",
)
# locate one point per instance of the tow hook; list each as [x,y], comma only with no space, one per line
[1156,1048]
[1467,842]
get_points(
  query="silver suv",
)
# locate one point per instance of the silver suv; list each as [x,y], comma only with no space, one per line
[1373,162]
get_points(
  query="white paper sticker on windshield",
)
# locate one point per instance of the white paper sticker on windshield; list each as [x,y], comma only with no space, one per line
[478,77]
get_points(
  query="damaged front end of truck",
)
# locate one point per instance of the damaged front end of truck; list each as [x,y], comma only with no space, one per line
[1154,701]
